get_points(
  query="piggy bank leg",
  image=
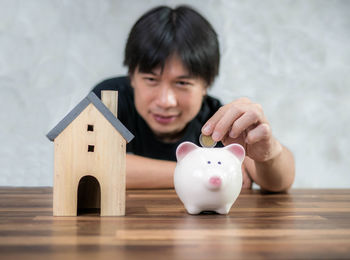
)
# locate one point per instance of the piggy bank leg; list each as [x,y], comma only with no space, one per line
[193,210]
[224,209]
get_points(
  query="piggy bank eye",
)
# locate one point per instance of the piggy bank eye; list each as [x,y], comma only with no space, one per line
[219,162]
[209,162]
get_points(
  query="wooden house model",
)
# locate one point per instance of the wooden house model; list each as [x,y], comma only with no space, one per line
[89,165]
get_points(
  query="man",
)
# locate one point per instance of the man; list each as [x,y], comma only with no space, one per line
[173,58]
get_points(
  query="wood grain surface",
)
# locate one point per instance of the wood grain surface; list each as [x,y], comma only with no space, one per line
[302,224]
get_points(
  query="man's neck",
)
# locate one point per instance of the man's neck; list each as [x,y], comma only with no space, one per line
[170,137]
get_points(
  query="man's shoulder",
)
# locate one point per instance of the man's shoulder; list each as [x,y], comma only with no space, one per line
[120,84]
[209,107]
[212,103]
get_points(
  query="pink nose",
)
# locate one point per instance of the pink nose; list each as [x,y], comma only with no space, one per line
[215,181]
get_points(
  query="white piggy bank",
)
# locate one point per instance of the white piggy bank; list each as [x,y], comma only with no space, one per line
[208,179]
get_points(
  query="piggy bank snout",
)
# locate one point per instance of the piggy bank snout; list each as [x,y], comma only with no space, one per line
[215,181]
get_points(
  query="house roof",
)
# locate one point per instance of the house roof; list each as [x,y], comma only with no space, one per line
[91,98]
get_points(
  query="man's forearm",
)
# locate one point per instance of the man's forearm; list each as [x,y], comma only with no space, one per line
[277,174]
[146,173]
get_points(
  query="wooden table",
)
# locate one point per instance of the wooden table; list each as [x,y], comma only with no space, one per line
[299,225]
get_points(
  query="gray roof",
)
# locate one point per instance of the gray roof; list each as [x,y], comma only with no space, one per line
[91,98]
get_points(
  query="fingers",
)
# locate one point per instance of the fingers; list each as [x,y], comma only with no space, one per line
[260,133]
[233,119]
[224,124]
[247,121]
[209,126]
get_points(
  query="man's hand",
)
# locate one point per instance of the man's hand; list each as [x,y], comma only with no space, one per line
[244,122]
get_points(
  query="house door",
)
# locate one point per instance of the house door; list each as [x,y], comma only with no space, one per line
[89,196]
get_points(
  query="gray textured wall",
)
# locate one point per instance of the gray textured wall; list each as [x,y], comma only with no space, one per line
[293,57]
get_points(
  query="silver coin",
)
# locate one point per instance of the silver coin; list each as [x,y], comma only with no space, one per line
[206,141]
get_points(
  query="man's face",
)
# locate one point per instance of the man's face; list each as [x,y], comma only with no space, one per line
[167,100]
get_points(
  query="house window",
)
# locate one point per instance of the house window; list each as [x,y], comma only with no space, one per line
[91,148]
[90,128]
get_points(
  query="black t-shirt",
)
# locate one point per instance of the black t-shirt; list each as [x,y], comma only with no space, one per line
[145,142]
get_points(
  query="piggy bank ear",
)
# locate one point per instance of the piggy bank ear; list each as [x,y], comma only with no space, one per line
[183,149]
[237,150]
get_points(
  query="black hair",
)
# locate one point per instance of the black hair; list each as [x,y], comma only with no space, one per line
[163,31]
